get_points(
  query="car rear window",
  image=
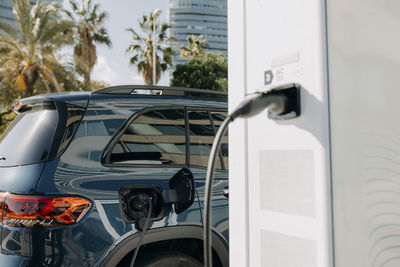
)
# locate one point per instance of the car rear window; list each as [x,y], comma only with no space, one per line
[28,139]
[40,132]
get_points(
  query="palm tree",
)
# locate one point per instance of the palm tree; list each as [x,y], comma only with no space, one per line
[89,25]
[195,47]
[28,56]
[142,48]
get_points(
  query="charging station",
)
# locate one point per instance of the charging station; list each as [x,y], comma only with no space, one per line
[323,188]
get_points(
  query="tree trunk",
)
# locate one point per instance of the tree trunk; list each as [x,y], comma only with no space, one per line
[29,90]
[30,76]
[54,81]
[87,86]
[148,73]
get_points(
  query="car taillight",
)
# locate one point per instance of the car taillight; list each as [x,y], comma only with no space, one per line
[42,211]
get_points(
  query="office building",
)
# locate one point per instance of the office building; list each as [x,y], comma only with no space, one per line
[6,12]
[199,17]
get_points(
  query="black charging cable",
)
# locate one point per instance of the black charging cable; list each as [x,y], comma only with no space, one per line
[146,224]
[251,106]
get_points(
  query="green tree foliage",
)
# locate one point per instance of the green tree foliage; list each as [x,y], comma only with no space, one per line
[142,48]
[6,117]
[89,31]
[195,47]
[96,85]
[208,71]
[28,56]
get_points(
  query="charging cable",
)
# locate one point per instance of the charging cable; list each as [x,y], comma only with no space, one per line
[146,224]
[249,107]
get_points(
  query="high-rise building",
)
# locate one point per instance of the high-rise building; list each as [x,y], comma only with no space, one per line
[196,17]
[6,12]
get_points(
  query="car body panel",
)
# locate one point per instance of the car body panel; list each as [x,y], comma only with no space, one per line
[20,179]
[79,171]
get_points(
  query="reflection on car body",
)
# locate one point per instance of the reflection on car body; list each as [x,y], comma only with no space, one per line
[101,142]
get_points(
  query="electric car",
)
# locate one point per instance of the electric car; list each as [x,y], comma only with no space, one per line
[72,164]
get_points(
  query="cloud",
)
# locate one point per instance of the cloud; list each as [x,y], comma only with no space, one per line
[137,79]
[103,71]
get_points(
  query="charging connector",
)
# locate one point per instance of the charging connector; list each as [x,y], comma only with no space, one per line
[141,202]
[256,103]
[282,102]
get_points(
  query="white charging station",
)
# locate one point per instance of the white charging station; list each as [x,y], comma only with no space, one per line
[322,189]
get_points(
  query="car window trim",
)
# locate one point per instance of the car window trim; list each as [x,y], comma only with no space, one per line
[187,137]
[221,157]
[209,110]
[105,156]
[215,130]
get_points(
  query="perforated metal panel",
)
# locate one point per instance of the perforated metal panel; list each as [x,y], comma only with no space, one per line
[287,181]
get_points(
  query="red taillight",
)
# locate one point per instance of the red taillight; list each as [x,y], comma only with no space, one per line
[40,211]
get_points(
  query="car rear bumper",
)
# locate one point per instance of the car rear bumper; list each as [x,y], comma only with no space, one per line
[58,246]
[12,261]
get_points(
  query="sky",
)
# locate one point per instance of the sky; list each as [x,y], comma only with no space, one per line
[113,62]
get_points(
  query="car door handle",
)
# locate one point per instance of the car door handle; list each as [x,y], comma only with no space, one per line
[226,192]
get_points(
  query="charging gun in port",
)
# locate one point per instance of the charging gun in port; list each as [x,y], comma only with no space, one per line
[143,204]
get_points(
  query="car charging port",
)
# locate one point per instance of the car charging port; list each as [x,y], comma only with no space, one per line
[135,201]
[140,209]
[143,204]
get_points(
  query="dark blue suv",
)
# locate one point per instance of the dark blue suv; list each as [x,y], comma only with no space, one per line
[70,161]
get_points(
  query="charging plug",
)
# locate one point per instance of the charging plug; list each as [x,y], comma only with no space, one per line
[139,207]
[282,103]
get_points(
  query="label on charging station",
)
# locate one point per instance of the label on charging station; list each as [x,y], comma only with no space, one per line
[268,77]
[283,70]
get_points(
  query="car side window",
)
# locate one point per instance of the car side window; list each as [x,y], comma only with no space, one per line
[154,137]
[201,132]
[74,116]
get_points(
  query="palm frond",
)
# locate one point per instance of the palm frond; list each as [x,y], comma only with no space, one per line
[49,76]
[142,48]
[14,44]
[57,33]
[21,10]
[94,9]
[165,27]
[102,38]
[133,59]
[141,66]
[74,5]
[133,48]
[8,29]
[28,60]
[20,82]
[101,18]
[195,47]
[143,22]
[34,10]
[68,13]
[89,31]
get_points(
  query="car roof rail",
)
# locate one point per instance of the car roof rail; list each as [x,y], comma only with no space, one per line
[161,90]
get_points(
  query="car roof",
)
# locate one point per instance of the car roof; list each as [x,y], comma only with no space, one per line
[162,90]
[129,91]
